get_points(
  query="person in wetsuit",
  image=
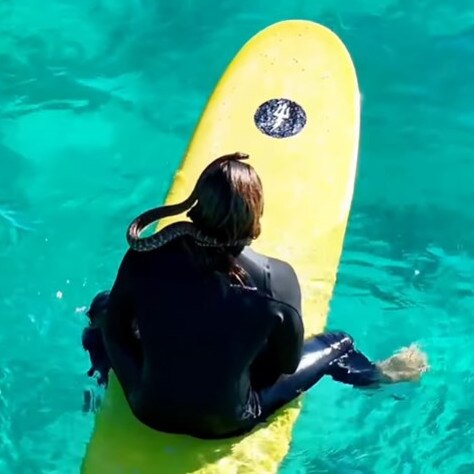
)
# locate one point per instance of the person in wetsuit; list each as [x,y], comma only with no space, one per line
[220,334]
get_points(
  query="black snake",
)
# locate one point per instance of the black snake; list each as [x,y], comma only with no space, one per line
[178,229]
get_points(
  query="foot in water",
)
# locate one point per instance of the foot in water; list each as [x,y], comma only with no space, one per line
[406,365]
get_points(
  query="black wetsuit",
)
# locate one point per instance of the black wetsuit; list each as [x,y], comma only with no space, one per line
[213,355]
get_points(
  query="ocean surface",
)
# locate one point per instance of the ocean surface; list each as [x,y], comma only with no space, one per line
[98,101]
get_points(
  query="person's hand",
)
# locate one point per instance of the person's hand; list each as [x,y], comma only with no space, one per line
[98,309]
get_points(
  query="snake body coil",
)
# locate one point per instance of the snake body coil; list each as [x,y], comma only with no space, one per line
[178,229]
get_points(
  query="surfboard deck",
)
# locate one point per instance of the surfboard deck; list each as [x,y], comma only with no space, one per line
[290,100]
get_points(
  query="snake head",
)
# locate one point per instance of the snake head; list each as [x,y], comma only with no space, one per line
[238,155]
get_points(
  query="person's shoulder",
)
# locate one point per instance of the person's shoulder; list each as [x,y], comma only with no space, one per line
[284,283]
[280,276]
[254,255]
[281,265]
[272,264]
[174,248]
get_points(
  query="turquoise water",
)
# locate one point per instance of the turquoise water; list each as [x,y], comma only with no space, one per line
[98,101]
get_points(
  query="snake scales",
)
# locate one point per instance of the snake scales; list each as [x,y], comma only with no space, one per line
[178,229]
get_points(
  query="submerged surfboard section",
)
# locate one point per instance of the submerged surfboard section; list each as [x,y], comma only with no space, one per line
[290,100]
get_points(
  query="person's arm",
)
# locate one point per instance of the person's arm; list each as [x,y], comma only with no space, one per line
[283,349]
[285,344]
[286,341]
[117,329]
[282,352]
[285,286]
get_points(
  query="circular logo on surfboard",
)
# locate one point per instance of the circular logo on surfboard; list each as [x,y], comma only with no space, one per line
[280,118]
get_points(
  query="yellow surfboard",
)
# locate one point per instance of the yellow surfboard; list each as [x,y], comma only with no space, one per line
[290,100]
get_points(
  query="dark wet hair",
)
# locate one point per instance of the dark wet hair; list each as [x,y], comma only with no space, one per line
[229,206]
[229,202]
[225,205]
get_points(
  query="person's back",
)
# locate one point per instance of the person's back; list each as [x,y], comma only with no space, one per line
[200,333]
